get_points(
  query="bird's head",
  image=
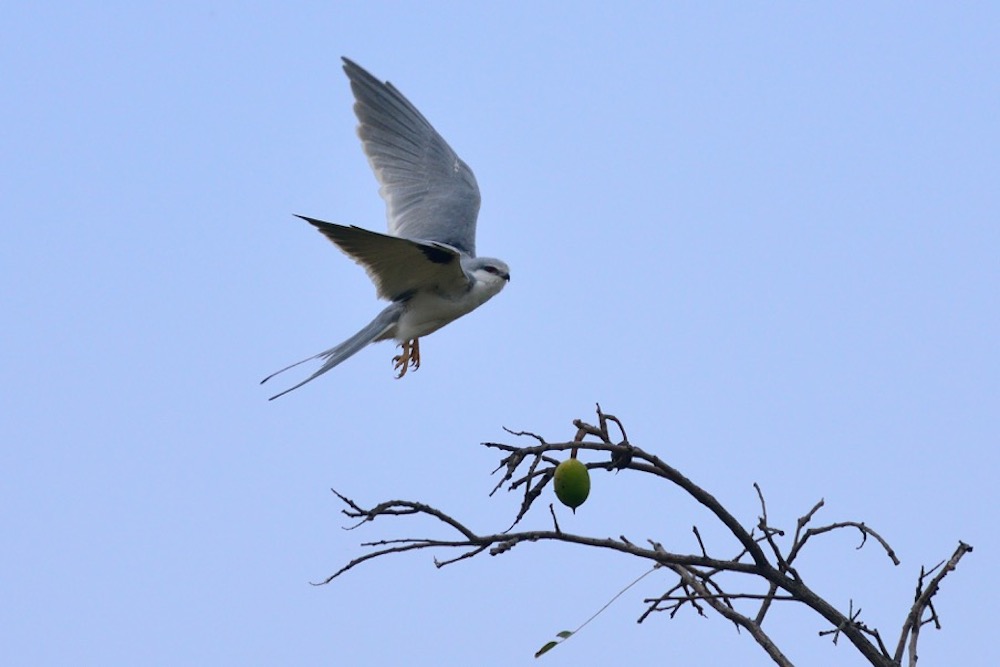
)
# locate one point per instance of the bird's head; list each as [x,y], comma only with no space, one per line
[491,274]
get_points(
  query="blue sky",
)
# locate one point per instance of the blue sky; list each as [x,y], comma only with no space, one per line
[766,236]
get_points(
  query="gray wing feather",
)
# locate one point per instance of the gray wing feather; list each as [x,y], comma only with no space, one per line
[374,331]
[398,267]
[430,193]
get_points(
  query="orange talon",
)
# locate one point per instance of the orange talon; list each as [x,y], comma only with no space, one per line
[410,358]
[415,354]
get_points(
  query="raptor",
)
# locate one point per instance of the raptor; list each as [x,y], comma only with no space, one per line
[426,266]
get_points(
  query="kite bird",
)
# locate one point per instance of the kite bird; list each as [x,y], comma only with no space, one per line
[426,266]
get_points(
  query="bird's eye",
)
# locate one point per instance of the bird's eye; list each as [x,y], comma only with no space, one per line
[492,269]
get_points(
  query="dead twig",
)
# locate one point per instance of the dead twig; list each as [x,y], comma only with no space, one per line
[704,582]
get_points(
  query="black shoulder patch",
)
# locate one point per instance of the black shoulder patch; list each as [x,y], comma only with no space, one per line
[437,255]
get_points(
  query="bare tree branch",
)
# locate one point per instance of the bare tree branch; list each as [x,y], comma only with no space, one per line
[922,604]
[700,584]
[728,612]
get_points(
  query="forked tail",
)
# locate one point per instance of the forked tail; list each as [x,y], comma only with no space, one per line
[369,334]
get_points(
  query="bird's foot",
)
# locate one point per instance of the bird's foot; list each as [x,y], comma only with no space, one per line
[410,358]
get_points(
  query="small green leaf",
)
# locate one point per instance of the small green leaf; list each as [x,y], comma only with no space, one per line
[565,634]
[545,649]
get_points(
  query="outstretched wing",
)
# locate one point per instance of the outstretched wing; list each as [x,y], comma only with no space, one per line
[430,193]
[398,267]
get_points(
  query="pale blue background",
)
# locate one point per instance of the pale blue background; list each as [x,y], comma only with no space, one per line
[766,235]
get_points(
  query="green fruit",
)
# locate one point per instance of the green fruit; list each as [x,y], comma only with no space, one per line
[572,483]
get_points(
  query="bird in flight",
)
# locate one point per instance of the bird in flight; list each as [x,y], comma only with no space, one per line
[426,266]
